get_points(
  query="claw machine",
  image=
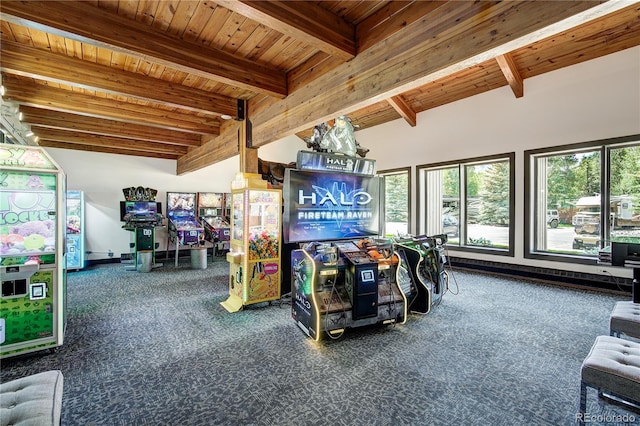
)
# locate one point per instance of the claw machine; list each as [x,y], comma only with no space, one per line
[254,256]
[75,230]
[32,251]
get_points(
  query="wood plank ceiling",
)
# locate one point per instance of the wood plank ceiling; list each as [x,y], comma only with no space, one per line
[155,78]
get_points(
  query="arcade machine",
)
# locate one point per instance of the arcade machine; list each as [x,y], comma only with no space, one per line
[254,258]
[211,212]
[75,230]
[423,258]
[32,259]
[184,228]
[343,275]
[142,215]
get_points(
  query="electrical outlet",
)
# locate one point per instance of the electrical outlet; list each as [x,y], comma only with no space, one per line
[110,254]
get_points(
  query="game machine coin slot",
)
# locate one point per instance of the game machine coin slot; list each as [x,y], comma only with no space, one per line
[184,230]
[32,251]
[142,215]
[214,221]
[75,230]
[254,256]
[332,202]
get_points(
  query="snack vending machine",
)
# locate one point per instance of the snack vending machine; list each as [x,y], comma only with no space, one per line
[32,251]
[75,230]
[254,256]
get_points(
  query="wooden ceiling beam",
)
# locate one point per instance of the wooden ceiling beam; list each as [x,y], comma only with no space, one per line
[456,36]
[100,126]
[41,64]
[105,150]
[510,71]
[404,109]
[106,141]
[23,92]
[453,38]
[86,23]
[304,21]
[392,18]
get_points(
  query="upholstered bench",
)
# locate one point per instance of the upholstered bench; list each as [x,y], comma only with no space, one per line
[32,400]
[625,319]
[612,367]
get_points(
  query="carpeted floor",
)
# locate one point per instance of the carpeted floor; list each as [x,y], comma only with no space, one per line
[158,349]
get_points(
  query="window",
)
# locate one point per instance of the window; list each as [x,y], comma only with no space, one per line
[397,190]
[470,201]
[581,197]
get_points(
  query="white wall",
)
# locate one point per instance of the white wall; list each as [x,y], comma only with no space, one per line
[103,176]
[595,100]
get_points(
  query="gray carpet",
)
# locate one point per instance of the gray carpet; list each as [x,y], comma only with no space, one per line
[158,349]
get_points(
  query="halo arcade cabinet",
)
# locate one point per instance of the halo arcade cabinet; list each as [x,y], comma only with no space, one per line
[214,220]
[423,258]
[184,229]
[32,251]
[142,215]
[343,276]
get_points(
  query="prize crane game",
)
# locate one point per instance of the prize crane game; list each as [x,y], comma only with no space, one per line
[75,230]
[32,256]
[141,215]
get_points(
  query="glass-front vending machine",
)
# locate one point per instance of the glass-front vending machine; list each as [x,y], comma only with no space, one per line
[75,230]
[254,256]
[32,251]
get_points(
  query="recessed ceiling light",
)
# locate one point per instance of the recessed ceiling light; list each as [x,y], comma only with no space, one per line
[226,117]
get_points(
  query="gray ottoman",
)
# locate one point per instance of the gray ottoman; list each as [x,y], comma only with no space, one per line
[612,367]
[33,400]
[625,319]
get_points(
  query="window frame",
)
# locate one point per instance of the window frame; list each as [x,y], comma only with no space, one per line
[421,169]
[396,171]
[531,193]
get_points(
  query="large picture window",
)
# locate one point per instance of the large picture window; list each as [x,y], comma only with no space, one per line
[397,190]
[582,197]
[470,201]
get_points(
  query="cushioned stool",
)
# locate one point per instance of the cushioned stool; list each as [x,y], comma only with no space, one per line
[32,400]
[612,367]
[625,319]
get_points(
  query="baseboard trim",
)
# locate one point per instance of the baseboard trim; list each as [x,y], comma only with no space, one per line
[581,280]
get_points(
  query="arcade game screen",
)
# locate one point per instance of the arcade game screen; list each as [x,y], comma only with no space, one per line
[321,206]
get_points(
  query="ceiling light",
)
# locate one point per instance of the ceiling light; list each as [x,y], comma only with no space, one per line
[29,133]
[36,139]
[20,116]
[3,90]
[226,117]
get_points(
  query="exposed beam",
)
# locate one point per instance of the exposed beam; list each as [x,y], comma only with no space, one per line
[457,35]
[80,123]
[404,109]
[106,141]
[304,21]
[392,18]
[103,150]
[511,73]
[86,23]
[37,95]
[41,64]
